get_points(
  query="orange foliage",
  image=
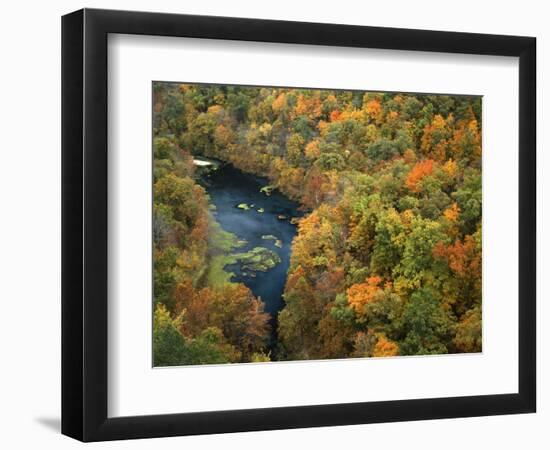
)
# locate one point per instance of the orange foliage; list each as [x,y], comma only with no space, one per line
[393,116]
[310,107]
[294,277]
[313,248]
[418,172]
[385,347]
[215,109]
[313,190]
[200,229]
[463,257]
[373,108]
[279,103]
[362,293]
[334,115]
[184,294]
[222,135]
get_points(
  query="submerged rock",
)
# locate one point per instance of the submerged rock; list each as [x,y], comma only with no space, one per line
[277,242]
[267,190]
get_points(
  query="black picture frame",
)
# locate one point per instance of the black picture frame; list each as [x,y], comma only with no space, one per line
[84,224]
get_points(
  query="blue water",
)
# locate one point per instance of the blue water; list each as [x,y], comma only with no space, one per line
[228,187]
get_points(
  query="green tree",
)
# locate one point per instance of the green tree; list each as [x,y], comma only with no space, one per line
[426,326]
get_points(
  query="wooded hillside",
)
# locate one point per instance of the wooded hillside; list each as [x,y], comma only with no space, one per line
[387,260]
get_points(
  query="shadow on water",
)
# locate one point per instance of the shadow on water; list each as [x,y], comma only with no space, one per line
[267,215]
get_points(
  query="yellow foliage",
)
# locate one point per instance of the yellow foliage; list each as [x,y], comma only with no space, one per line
[452,212]
[373,108]
[322,127]
[352,114]
[279,103]
[215,109]
[438,122]
[385,347]
[312,150]
[265,129]
[409,156]
[451,168]
[407,216]
[362,293]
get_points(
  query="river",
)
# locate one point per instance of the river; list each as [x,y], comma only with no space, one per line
[228,188]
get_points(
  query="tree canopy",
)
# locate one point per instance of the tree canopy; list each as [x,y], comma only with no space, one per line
[387,259]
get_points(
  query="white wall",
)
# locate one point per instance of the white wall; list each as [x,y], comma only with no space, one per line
[30,223]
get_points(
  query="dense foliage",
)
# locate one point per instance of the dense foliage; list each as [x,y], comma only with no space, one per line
[387,260]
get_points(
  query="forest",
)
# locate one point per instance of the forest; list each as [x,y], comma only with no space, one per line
[386,259]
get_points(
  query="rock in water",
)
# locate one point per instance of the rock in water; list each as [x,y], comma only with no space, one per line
[267,190]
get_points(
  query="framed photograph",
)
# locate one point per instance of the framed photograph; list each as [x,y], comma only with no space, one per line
[273,224]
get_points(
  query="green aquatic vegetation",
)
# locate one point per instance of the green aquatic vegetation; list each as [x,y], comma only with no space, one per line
[220,240]
[258,259]
[221,245]
[217,275]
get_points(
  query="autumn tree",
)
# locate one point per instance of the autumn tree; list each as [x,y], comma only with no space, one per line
[387,256]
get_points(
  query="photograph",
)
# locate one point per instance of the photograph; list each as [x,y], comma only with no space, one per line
[312,224]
